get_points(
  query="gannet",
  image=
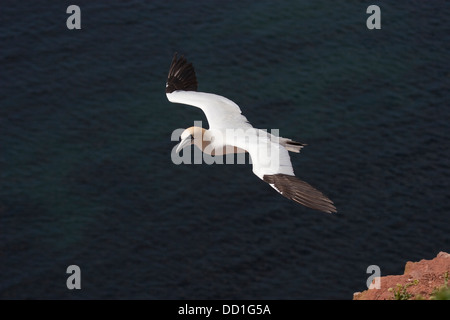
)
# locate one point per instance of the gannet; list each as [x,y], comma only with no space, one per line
[230,132]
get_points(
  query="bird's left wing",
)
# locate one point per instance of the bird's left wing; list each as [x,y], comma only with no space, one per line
[272,164]
[181,87]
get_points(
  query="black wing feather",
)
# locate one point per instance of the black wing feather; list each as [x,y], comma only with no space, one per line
[301,192]
[181,76]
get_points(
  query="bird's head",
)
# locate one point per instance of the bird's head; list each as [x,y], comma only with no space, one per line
[193,135]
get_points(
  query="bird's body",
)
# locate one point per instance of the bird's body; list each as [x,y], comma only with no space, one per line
[230,132]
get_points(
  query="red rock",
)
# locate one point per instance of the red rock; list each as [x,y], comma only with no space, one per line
[418,281]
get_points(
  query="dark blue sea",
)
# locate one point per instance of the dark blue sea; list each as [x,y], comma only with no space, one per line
[86,176]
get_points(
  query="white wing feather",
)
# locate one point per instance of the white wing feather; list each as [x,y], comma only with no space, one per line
[221,113]
[268,157]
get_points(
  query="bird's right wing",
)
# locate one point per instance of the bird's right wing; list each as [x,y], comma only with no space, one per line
[181,87]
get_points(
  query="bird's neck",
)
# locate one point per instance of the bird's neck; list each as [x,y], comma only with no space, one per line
[201,139]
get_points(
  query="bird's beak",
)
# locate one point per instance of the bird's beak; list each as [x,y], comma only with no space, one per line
[183,144]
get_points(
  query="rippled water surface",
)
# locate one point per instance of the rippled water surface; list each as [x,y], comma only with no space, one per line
[86,176]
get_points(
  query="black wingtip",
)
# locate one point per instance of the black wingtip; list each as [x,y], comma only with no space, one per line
[301,192]
[181,75]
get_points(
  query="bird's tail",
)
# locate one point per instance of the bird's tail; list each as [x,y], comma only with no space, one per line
[292,146]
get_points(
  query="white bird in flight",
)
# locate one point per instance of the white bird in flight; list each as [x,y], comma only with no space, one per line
[230,132]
